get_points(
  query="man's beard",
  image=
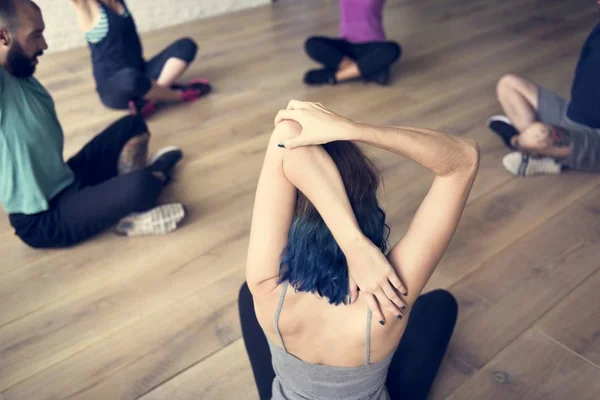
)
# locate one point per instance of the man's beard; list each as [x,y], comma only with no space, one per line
[21,66]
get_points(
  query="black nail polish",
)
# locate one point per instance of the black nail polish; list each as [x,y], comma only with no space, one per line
[405,293]
[281,145]
[382,322]
[403,307]
[399,316]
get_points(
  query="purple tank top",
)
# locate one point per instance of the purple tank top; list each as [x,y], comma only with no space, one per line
[362,20]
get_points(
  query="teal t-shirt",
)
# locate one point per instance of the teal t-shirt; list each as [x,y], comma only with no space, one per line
[32,168]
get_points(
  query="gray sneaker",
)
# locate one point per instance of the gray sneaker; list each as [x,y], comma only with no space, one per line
[521,164]
[157,221]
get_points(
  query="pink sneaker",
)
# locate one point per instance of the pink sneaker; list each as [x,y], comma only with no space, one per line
[145,108]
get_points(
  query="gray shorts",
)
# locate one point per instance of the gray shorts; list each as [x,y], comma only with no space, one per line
[585,156]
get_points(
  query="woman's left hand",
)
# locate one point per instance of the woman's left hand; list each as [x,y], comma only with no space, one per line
[371,272]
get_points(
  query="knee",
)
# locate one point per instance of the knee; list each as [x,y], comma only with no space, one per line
[394,50]
[286,129]
[244,296]
[187,49]
[312,45]
[132,126]
[142,189]
[507,83]
[446,302]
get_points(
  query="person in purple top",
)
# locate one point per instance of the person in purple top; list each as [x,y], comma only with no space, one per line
[361,52]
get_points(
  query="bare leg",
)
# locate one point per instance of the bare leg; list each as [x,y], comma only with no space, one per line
[518,98]
[172,70]
[134,154]
[348,69]
[545,140]
[160,93]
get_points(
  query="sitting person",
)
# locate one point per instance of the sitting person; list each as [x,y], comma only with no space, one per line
[362,50]
[123,78]
[318,233]
[546,132]
[56,204]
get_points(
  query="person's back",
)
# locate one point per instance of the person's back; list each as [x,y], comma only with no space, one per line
[326,351]
[361,21]
[114,43]
[316,222]
[32,169]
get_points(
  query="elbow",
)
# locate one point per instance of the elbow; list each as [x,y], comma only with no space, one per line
[285,130]
[469,156]
[472,153]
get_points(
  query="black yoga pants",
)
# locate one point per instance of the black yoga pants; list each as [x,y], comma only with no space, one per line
[371,58]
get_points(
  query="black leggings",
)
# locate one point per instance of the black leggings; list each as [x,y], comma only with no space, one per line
[132,84]
[414,364]
[371,58]
[98,198]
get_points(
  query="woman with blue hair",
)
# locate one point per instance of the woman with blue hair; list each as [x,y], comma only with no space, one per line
[318,232]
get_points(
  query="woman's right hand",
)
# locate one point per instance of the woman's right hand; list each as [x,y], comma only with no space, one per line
[319,125]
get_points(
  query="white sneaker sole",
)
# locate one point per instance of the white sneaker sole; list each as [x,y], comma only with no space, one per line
[501,118]
[521,165]
[161,152]
[158,221]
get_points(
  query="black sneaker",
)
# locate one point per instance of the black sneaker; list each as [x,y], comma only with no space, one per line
[200,85]
[382,77]
[323,76]
[165,160]
[503,127]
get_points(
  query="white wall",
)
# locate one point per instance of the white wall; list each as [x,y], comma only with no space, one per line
[63,33]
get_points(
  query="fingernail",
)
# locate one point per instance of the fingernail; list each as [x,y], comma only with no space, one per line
[405,293]
[281,145]
[382,322]
[350,302]
[403,307]
[399,316]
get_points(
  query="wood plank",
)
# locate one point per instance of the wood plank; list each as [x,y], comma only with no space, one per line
[62,329]
[547,372]
[575,322]
[141,356]
[223,374]
[511,291]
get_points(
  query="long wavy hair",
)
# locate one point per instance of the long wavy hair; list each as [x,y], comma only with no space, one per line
[312,261]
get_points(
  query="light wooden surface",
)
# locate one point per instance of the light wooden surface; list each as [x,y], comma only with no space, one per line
[156,318]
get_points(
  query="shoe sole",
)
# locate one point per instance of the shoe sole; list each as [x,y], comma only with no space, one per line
[158,221]
[500,118]
[161,153]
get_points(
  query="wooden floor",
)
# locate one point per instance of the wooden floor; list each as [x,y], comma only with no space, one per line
[156,318]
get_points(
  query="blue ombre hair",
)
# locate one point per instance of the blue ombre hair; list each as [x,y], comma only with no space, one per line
[312,261]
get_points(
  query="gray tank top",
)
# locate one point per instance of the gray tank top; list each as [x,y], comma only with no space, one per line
[299,380]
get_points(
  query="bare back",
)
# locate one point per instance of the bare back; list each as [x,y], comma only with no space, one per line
[320,333]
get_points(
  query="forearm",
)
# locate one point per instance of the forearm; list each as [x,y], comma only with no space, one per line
[441,153]
[312,171]
[86,13]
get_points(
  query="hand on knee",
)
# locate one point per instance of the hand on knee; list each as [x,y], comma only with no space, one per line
[535,138]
